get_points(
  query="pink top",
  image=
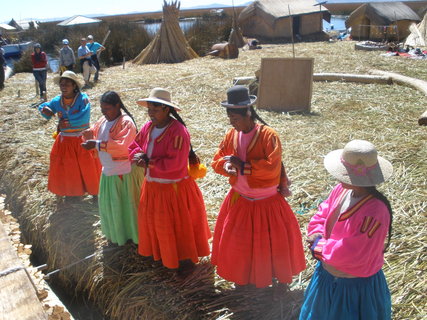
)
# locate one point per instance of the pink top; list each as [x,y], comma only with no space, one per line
[169,158]
[356,241]
[241,186]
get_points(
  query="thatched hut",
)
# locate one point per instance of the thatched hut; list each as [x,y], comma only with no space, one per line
[381,21]
[270,19]
[169,45]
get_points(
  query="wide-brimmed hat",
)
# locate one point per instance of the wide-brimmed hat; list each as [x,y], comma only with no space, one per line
[358,164]
[238,97]
[69,75]
[159,95]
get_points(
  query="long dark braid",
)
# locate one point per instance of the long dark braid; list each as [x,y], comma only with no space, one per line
[192,156]
[374,192]
[113,98]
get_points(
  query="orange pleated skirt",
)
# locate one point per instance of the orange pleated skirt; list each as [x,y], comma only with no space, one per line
[172,222]
[73,171]
[256,241]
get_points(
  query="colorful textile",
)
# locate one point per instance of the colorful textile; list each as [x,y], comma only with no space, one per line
[169,159]
[263,159]
[73,170]
[331,298]
[76,116]
[356,242]
[255,241]
[118,205]
[172,222]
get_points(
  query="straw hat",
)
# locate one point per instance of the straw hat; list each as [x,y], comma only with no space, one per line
[238,97]
[358,164]
[159,95]
[69,75]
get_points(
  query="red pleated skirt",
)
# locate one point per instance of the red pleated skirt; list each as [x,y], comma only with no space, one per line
[172,222]
[255,241]
[74,171]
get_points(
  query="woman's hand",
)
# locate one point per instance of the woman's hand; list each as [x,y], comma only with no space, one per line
[310,240]
[141,159]
[89,144]
[87,134]
[235,161]
[47,112]
[230,169]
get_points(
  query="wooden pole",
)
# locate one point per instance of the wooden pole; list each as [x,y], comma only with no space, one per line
[292,30]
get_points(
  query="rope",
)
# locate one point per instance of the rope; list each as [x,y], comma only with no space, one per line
[9,271]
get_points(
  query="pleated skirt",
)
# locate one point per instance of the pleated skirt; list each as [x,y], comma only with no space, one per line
[118,205]
[331,298]
[256,241]
[73,171]
[172,222]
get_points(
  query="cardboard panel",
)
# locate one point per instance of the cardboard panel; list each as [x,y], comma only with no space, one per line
[286,84]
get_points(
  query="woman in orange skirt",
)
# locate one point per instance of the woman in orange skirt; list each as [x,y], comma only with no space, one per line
[257,239]
[172,223]
[73,170]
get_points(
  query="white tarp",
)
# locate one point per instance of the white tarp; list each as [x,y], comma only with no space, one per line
[77,20]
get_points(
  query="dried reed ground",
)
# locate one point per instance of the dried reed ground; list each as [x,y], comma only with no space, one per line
[125,286]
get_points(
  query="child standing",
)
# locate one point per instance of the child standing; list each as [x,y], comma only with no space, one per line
[120,183]
[347,236]
[257,237]
[172,221]
[73,170]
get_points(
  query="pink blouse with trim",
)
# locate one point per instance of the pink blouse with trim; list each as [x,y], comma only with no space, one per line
[356,242]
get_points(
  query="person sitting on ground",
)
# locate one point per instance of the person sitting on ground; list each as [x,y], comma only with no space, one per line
[95,48]
[67,60]
[86,63]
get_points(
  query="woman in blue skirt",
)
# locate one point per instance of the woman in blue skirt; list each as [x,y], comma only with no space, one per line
[347,236]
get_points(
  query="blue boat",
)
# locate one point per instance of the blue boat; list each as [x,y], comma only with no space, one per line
[15,50]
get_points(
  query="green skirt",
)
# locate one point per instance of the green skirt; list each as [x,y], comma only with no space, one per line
[118,205]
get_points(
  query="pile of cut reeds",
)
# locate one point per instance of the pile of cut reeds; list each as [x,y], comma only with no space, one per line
[126,286]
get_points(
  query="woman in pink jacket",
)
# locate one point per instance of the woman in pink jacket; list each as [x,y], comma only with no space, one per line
[172,219]
[120,182]
[347,236]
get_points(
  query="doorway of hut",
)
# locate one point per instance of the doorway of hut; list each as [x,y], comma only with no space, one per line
[296,22]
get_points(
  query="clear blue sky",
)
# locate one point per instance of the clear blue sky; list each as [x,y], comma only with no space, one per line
[47,9]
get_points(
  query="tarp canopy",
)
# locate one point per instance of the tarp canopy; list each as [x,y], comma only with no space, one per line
[418,36]
[384,13]
[271,10]
[77,20]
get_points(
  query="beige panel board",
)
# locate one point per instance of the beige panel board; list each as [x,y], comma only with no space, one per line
[286,84]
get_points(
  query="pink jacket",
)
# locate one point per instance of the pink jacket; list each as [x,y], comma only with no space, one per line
[356,243]
[169,159]
[122,133]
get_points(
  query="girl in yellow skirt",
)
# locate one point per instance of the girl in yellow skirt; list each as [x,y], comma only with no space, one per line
[120,182]
[73,170]
[172,219]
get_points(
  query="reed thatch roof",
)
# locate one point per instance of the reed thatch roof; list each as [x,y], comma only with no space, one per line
[271,10]
[169,45]
[384,13]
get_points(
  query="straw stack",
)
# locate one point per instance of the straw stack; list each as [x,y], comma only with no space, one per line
[169,45]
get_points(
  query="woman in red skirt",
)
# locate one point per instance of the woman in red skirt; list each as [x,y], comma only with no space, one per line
[73,170]
[172,222]
[257,239]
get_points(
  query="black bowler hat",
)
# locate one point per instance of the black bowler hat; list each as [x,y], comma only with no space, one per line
[238,97]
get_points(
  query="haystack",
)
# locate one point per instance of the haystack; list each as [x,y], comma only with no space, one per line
[169,45]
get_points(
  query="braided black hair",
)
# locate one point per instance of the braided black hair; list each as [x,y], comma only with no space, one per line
[374,192]
[192,156]
[113,98]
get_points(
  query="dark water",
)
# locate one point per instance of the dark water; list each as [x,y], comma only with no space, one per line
[152,28]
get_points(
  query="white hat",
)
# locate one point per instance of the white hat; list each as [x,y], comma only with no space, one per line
[90,37]
[159,95]
[69,75]
[65,41]
[358,164]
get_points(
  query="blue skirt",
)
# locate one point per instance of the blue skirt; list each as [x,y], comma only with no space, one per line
[331,298]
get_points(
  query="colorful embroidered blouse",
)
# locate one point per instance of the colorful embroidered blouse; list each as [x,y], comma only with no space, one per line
[169,159]
[356,241]
[263,157]
[76,114]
